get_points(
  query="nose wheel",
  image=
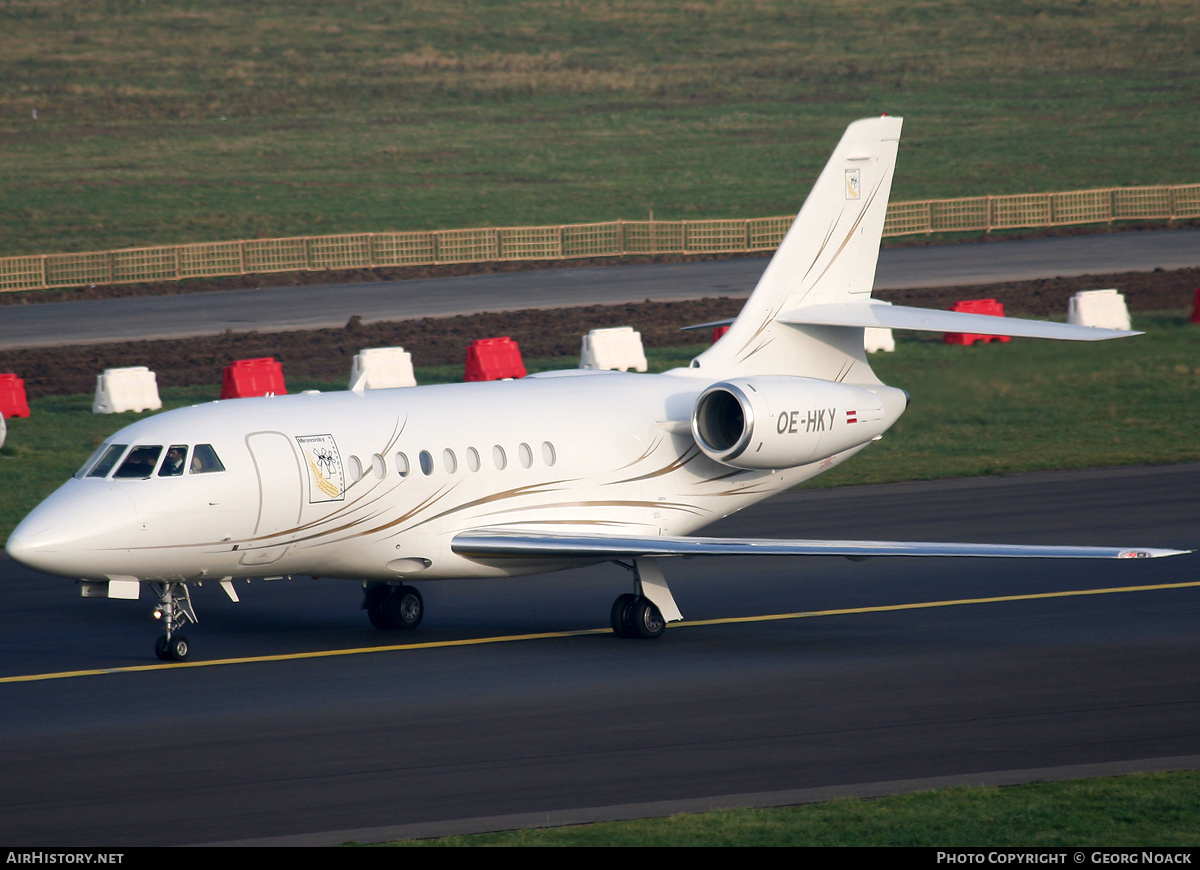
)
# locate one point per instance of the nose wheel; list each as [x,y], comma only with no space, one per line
[175,611]
[172,649]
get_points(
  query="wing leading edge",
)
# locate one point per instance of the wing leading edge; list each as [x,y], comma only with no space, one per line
[496,543]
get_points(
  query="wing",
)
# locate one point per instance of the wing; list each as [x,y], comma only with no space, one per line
[513,543]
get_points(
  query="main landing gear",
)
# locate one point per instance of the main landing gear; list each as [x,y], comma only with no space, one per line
[635,616]
[175,611]
[645,612]
[391,607]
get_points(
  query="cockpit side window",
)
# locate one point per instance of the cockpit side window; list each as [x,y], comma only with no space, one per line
[175,462]
[205,460]
[107,460]
[140,462]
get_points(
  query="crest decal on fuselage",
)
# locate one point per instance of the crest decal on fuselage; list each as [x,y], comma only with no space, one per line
[326,479]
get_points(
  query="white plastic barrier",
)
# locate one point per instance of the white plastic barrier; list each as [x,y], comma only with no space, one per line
[128,389]
[878,338]
[1105,308]
[618,348]
[3,430]
[381,368]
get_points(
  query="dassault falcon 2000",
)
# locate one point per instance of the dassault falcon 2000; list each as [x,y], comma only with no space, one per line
[551,471]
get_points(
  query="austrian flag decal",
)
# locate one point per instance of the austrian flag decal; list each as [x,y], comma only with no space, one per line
[852,416]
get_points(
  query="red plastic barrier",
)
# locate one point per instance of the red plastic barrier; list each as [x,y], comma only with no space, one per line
[975,306]
[12,396]
[1196,307]
[718,332]
[253,377]
[490,359]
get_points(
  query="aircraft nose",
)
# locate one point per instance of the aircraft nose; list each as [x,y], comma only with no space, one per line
[64,534]
[28,544]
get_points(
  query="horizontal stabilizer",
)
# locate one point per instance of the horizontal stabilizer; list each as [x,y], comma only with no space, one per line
[710,325]
[491,543]
[879,314]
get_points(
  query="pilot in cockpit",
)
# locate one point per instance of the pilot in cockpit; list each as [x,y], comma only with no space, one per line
[173,465]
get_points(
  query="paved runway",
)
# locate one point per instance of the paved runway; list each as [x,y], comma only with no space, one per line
[885,671]
[323,306]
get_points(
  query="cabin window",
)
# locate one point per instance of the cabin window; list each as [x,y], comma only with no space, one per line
[356,469]
[205,460]
[526,454]
[473,459]
[378,466]
[109,458]
[499,457]
[175,461]
[426,460]
[449,461]
[402,467]
[140,462]
[549,456]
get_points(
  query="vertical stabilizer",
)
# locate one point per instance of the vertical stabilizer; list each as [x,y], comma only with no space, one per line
[828,256]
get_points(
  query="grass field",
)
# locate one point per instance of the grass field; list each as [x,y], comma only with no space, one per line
[988,409]
[187,121]
[1139,810]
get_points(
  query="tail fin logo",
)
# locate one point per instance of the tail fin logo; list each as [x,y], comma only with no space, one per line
[853,184]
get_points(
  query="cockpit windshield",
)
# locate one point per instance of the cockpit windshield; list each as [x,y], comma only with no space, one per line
[142,460]
[108,458]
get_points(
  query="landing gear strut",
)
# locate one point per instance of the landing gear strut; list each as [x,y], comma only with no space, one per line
[641,614]
[175,611]
[391,607]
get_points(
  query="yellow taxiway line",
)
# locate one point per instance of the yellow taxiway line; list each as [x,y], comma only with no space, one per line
[882,608]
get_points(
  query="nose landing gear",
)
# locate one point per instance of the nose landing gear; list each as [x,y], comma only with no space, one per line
[175,611]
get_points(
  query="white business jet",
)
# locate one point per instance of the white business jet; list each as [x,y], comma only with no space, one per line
[551,471]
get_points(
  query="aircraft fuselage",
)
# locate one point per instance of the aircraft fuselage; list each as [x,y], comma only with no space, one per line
[374,485]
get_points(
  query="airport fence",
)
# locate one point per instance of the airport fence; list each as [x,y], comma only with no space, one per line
[573,241]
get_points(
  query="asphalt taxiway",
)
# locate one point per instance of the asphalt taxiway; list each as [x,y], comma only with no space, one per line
[513,704]
[312,307]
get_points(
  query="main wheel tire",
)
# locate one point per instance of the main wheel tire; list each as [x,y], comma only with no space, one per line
[647,620]
[407,606]
[392,607]
[376,604]
[622,615]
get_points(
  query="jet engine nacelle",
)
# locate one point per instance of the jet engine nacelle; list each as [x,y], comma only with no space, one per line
[781,422]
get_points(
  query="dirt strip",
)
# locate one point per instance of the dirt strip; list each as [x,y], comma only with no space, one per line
[326,354]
